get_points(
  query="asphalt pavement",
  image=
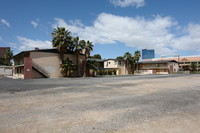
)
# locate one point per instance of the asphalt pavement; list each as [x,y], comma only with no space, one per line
[112,104]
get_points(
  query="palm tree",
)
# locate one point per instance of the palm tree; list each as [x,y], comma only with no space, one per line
[137,56]
[78,47]
[88,47]
[66,67]
[128,58]
[62,41]
[91,65]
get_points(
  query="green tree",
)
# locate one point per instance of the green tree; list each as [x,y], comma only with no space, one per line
[2,61]
[137,56]
[96,56]
[7,57]
[88,47]
[193,66]
[78,47]
[62,40]
[67,67]
[120,58]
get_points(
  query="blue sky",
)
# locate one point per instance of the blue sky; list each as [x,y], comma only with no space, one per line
[114,26]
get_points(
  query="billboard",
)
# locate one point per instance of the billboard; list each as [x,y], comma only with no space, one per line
[148,53]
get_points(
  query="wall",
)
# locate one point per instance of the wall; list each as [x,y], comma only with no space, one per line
[36,74]
[146,71]
[110,64]
[27,68]
[6,71]
[123,70]
[50,62]
[175,67]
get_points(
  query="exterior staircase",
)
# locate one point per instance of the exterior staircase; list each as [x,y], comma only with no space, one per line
[40,69]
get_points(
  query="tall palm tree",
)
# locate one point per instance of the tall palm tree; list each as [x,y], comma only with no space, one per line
[88,47]
[128,59]
[62,40]
[78,47]
[137,56]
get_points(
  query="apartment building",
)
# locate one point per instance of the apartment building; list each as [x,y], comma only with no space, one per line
[184,62]
[114,64]
[158,67]
[44,63]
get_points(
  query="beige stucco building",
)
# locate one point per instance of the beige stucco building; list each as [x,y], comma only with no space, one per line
[118,65]
[159,67]
[145,67]
[184,62]
[42,63]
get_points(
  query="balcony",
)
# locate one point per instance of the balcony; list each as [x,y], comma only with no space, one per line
[154,67]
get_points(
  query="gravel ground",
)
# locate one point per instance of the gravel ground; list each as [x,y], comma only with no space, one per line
[126,104]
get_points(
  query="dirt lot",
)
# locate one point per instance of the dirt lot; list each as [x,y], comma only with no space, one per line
[129,104]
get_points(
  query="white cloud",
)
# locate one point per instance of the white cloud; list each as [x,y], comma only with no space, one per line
[126,3]
[28,44]
[134,32]
[155,33]
[1,38]
[3,21]
[190,41]
[75,26]
[34,23]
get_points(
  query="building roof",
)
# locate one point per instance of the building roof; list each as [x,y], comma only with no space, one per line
[162,61]
[43,50]
[182,59]
[97,60]
[114,60]
[3,51]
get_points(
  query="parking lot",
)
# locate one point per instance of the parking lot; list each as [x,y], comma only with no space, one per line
[126,104]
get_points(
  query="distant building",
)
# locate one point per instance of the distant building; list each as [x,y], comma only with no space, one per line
[145,67]
[114,64]
[148,54]
[158,67]
[184,62]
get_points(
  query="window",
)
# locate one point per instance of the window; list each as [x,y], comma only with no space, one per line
[119,62]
